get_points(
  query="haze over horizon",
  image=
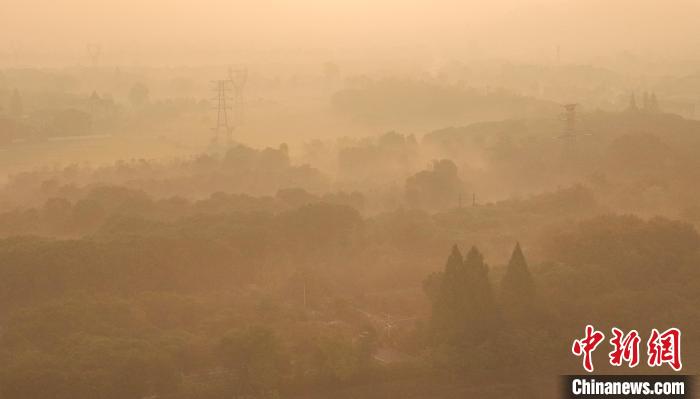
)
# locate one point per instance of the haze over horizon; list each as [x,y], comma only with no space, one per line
[320,199]
[186,32]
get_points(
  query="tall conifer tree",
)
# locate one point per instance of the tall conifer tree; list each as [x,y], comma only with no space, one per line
[483,312]
[463,307]
[517,284]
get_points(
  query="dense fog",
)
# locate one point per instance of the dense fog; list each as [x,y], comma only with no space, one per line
[313,199]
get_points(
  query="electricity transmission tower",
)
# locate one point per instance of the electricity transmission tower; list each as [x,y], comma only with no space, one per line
[571,132]
[569,118]
[222,120]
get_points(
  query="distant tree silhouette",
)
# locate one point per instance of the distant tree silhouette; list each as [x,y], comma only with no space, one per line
[435,188]
[484,312]
[517,286]
[478,271]
[463,307]
[633,103]
[448,307]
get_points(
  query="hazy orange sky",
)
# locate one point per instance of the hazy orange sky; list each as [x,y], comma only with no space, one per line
[60,29]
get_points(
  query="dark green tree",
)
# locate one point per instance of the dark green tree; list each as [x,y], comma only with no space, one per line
[464,311]
[483,312]
[478,274]
[448,306]
[517,286]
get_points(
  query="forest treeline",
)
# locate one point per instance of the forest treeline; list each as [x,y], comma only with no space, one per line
[362,265]
[307,231]
[403,100]
[636,161]
[214,298]
[365,222]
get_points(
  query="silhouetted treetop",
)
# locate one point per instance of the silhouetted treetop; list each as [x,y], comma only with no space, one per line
[517,282]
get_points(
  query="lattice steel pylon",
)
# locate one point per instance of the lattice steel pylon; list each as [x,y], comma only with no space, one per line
[571,133]
[222,120]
